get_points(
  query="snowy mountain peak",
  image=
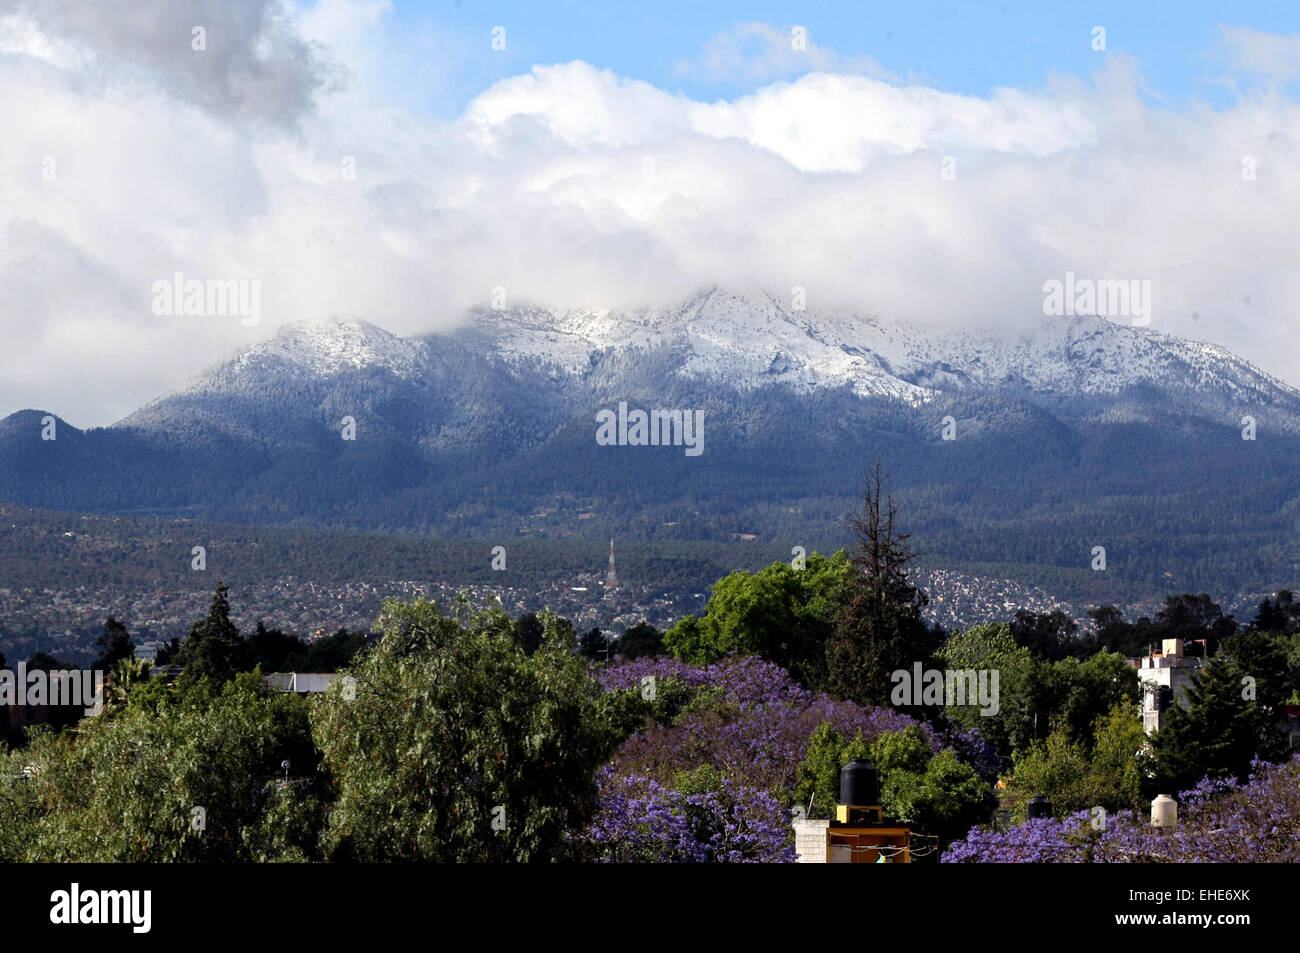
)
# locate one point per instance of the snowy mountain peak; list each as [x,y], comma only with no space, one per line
[336,344]
[306,352]
[749,341]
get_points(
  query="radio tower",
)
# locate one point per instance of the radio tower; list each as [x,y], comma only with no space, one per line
[611,578]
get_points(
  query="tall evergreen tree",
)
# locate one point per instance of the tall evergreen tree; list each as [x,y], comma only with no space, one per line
[1280,615]
[214,650]
[880,628]
[1227,722]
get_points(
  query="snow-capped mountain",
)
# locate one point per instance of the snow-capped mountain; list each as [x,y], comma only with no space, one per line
[755,341]
[1016,448]
[296,367]
[750,342]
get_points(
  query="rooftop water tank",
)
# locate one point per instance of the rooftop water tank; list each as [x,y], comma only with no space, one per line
[859,783]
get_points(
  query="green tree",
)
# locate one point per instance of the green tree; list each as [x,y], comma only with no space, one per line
[1280,615]
[1262,658]
[1120,760]
[945,801]
[1218,734]
[46,662]
[1056,767]
[189,781]
[1048,635]
[1195,617]
[782,614]
[1104,768]
[1087,690]
[592,645]
[937,794]
[989,646]
[1291,645]
[527,632]
[214,652]
[127,676]
[642,640]
[817,784]
[114,644]
[458,745]
[168,651]
[1034,694]
[271,649]
[1111,633]
[1022,691]
[880,629]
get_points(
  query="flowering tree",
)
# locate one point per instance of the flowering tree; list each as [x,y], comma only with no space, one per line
[748,724]
[641,820]
[1220,821]
[748,718]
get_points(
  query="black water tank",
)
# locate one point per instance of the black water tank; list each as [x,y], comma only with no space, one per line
[859,783]
[1039,806]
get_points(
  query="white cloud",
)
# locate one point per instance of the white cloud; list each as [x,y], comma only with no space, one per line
[757,51]
[821,123]
[830,181]
[1268,54]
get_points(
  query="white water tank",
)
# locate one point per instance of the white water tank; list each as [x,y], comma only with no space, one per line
[1164,811]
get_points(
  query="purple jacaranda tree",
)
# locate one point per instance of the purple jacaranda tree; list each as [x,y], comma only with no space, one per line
[1219,821]
[642,821]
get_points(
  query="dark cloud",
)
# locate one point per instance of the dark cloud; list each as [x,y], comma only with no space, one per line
[255,67]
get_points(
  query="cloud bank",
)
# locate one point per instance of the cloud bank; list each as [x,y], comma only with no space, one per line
[276,155]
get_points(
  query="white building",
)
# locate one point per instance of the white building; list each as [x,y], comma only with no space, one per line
[1165,676]
[148,651]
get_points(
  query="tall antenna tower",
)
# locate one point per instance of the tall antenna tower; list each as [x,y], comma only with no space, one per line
[611,577]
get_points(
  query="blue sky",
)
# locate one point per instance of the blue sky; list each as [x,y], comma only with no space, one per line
[962,48]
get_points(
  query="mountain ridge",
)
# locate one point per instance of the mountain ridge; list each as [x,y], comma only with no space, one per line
[751,342]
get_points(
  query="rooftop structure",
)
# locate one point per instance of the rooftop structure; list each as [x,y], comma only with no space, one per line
[1164,676]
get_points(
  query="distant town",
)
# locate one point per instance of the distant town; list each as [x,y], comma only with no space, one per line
[65,621]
